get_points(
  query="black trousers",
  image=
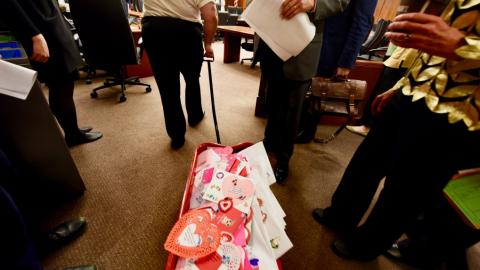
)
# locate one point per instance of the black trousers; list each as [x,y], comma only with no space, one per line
[284,103]
[62,104]
[417,152]
[174,46]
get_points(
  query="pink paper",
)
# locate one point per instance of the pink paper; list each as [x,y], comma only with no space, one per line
[207,175]
[239,237]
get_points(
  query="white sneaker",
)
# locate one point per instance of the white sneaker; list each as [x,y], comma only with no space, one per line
[360,130]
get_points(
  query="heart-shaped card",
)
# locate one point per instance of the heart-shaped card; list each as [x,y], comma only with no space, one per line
[194,235]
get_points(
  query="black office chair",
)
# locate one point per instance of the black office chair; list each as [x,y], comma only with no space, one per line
[84,66]
[234,10]
[375,43]
[251,46]
[223,17]
[107,41]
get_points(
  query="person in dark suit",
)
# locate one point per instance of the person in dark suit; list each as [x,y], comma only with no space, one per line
[17,249]
[287,82]
[43,32]
[343,37]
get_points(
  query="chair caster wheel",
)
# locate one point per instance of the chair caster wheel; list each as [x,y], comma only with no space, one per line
[241,62]
[123,98]
[88,81]
[148,89]
[137,80]
[93,95]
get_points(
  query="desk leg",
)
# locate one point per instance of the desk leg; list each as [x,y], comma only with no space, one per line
[231,48]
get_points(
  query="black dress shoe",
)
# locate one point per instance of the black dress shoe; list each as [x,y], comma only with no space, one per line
[403,251]
[325,217]
[319,215]
[341,249]
[65,233]
[281,173]
[82,267]
[85,129]
[196,120]
[176,144]
[83,137]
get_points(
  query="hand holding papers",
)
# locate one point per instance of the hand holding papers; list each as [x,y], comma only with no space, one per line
[16,81]
[286,38]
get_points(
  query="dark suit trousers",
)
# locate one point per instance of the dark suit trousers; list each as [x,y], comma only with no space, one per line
[418,152]
[175,46]
[284,101]
[16,249]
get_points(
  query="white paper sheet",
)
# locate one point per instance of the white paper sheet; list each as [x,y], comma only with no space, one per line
[286,38]
[277,237]
[260,245]
[16,81]
[258,159]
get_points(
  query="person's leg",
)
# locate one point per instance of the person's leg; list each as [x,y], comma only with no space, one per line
[159,39]
[439,236]
[309,120]
[190,66]
[272,71]
[365,170]
[284,101]
[293,98]
[60,97]
[429,153]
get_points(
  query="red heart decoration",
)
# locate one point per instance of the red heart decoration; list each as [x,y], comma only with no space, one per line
[225,204]
[212,261]
[193,236]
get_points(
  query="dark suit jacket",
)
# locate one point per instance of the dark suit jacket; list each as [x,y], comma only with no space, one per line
[345,33]
[304,66]
[27,18]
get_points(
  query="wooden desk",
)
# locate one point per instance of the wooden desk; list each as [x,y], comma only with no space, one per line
[232,36]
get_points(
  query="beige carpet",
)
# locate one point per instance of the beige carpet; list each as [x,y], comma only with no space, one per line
[135,181]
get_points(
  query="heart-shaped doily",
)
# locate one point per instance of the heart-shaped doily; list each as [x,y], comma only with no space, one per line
[193,236]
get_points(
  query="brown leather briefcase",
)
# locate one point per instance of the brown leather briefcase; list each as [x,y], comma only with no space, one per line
[339,98]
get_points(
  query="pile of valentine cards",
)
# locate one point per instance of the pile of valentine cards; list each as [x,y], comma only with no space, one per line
[234,221]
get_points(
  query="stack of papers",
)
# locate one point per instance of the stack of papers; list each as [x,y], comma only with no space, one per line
[287,38]
[234,221]
[463,193]
[16,81]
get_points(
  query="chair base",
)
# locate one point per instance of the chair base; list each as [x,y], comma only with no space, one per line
[123,82]
[252,65]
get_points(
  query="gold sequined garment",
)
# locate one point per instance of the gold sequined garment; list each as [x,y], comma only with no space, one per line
[451,86]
